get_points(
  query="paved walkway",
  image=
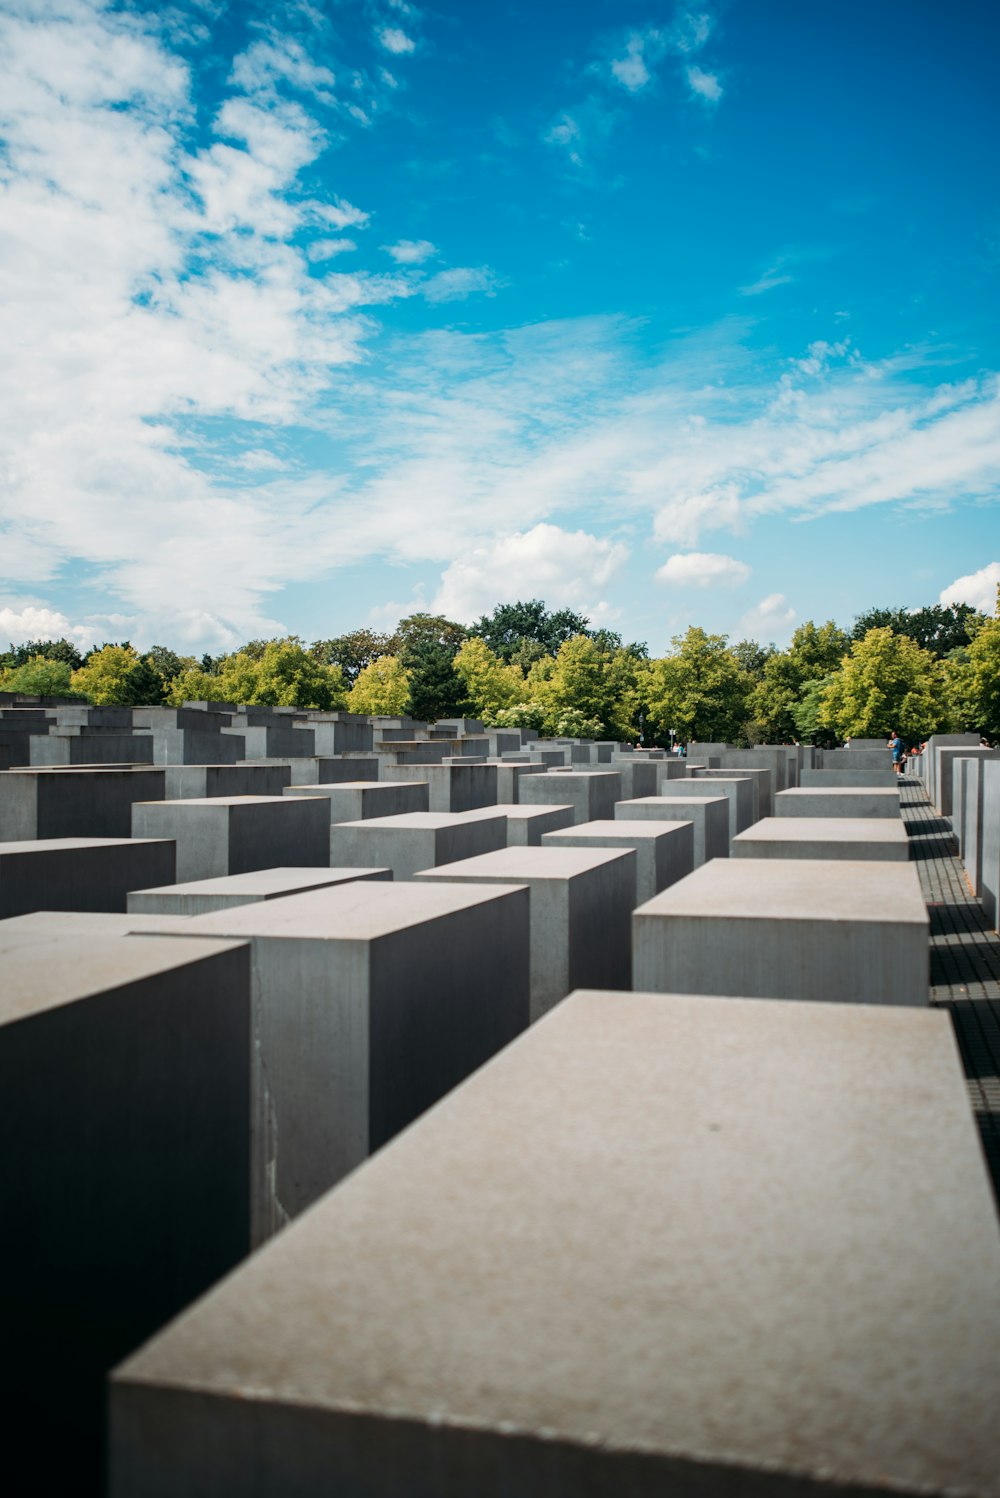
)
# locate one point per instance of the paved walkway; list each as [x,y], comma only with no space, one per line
[965,963]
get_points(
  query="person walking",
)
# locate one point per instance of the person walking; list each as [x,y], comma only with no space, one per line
[898,750]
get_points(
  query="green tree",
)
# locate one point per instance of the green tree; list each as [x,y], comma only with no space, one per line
[194,685]
[939,628]
[382,689]
[39,676]
[488,685]
[277,673]
[354,651]
[699,691]
[975,683]
[50,650]
[117,674]
[815,651]
[887,682]
[518,629]
[427,647]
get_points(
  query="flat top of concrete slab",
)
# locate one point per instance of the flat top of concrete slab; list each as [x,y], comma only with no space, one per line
[824,829]
[98,770]
[526,813]
[622,831]
[51,925]
[215,803]
[795,889]
[69,844]
[526,864]
[422,821]
[838,792]
[82,966]
[361,911]
[264,882]
[333,786]
[777,1272]
[674,801]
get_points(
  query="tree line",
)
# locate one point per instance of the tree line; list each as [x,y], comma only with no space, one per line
[934,669]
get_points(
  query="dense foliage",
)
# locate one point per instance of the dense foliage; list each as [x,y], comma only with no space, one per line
[931,670]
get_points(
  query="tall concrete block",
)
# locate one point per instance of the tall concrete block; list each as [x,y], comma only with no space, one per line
[453,787]
[581,903]
[739,791]
[370,1001]
[68,802]
[851,932]
[842,838]
[357,800]
[509,780]
[847,775]
[989,857]
[319,770]
[418,840]
[639,777]
[664,851]
[527,825]
[708,815]
[936,742]
[839,801]
[80,873]
[124,1099]
[196,782]
[946,757]
[592,796]
[236,834]
[241,889]
[972,825]
[588,1271]
[82,747]
[763,780]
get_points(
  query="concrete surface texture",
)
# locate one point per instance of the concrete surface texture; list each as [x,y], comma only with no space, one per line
[605,1308]
[44,926]
[763,780]
[241,889]
[124,1093]
[357,800]
[527,825]
[417,840]
[946,756]
[591,796]
[989,847]
[664,851]
[847,775]
[453,787]
[235,834]
[80,873]
[739,790]
[71,802]
[875,838]
[581,905]
[838,801]
[708,815]
[191,782]
[370,1001]
[814,929]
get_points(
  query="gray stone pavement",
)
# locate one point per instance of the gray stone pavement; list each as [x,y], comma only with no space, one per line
[965,963]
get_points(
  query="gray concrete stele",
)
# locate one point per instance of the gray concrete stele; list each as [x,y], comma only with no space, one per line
[851,838]
[236,834]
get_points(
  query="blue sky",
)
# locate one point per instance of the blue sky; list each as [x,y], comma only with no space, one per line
[317,314]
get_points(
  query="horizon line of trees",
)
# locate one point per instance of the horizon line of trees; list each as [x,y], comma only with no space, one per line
[935,669]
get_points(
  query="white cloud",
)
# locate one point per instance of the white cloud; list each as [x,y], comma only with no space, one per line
[460,281]
[630,70]
[705,85]
[978,588]
[411,251]
[566,568]
[32,622]
[325,249]
[396,41]
[341,215]
[770,620]
[703,569]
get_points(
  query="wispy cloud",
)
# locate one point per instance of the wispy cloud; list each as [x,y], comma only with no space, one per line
[396,41]
[771,620]
[705,85]
[411,251]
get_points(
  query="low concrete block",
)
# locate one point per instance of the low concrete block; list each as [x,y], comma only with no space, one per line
[838,801]
[851,838]
[708,815]
[562,1279]
[236,834]
[321,770]
[418,840]
[124,1098]
[847,776]
[851,932]
[358,800]
[664,851]
[241,889]
[509,781]
[196,782]
[370,1001]
[591,795]
[71,802]
[453,787]
[581,902]
[80,873]
[639,777]
[739,792]
[763,780]
[527,825]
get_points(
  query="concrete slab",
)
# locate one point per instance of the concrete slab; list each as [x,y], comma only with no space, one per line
[989,848]
[80,873]
[241,889]
[658,1246]
[664,851]
[357,800]
[44,926]
[323,770]
[839,801]
[235,834]
[850,838]
[581,903]
[453,787]
[124,1098]
[370,1001]
[847,776]
[851,932]
[418,840]
[762,778]
[195,782]
[71,802]
[739,791]
[708,815]
[527,825]
[592,796]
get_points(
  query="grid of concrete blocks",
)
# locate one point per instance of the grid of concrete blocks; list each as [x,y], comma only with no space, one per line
[396,1108]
